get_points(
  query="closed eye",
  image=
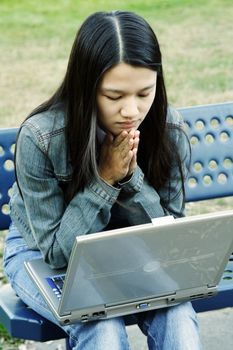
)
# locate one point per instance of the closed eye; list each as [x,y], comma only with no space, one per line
[143,95]
[147,93]
[113,98]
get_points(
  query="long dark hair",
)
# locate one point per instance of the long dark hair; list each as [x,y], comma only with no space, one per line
[104,40]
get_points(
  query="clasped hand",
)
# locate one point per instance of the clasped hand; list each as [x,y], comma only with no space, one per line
[118,156]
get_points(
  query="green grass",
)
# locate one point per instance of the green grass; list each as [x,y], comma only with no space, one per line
[7,342]
[208,206]
[36,38]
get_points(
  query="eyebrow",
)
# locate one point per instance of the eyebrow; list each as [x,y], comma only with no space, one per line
[121,91]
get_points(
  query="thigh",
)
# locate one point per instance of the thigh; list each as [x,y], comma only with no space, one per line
[101,335]
[172,328]
[16,252]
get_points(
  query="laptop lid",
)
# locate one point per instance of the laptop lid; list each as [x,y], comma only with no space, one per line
[127,270]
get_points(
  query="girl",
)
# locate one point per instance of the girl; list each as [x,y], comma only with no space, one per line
[105,151]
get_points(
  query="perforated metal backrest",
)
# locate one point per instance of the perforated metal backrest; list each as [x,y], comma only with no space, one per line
[210,130]
[7,176]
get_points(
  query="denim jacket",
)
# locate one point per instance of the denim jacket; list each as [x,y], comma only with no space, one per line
[41,214]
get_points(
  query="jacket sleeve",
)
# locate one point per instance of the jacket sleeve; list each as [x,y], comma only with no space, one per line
[54,225]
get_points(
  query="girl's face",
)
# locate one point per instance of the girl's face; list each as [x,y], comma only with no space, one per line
[124,97]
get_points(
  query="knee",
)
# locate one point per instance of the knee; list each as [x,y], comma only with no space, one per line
[179,316]
[107,334]
[183,311]
[112,328]
[175,327]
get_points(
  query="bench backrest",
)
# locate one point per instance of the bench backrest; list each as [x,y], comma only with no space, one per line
[7,176]
[210,130]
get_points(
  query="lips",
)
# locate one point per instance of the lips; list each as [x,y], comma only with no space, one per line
[127,125]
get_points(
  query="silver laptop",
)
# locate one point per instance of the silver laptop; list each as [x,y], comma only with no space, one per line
[144,267]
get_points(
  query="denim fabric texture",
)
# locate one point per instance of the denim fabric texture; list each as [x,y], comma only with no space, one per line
[173,328]
[43,218]
[44,225]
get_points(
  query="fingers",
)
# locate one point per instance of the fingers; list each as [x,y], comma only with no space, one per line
[118,155]
[136,134]
[133,163]
[122,137]
[133,152]
[130,139]
[130,144]
[122,144]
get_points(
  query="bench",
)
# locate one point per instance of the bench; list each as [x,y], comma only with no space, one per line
[210,129]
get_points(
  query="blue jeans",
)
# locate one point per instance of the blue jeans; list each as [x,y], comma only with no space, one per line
[173,328]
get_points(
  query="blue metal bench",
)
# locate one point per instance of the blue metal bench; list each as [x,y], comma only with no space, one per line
[210,129]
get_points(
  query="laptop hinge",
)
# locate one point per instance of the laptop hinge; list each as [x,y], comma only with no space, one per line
[193,294]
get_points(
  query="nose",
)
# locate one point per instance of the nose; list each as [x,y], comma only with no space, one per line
[130,108]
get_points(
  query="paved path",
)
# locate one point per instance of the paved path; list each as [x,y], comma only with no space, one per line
[216,333]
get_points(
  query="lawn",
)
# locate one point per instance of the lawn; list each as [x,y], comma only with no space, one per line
[36,37]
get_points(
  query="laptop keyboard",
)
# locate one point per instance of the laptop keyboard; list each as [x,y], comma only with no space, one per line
[56,283]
